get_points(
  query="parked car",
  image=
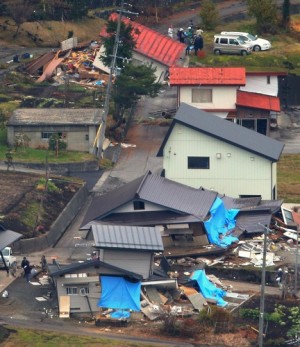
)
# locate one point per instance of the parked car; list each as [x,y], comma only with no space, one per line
[257,43]
[8,257]
[224,44]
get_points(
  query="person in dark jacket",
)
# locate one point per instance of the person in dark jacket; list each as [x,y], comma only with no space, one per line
[198,43]
[26,268]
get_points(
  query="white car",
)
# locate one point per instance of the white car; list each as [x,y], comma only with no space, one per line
[258,44]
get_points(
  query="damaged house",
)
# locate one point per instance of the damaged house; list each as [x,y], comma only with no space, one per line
[201,149]
[152,48]
[191,221]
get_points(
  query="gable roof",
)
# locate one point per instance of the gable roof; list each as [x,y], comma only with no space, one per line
[255,100]
[157,190]
[151,43]
[127,237]
[58,270]
[224,130]
[208,76]
[54,116]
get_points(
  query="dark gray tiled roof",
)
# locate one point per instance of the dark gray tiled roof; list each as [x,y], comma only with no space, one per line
[7,237]
[240,203]
[54,116]
[226,131]
[127,237]
[58,270]
[155,189]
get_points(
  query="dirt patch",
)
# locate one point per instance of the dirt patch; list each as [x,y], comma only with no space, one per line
[26,207]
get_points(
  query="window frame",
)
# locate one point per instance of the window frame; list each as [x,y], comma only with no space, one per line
[204,96]
[198,163]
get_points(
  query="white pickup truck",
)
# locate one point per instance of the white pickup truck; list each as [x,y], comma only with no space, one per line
[8,256]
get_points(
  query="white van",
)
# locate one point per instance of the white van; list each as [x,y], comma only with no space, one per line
[257,43]
[224,44]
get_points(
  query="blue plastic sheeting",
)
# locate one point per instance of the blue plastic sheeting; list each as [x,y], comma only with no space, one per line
[220,224]
[120,294]
[208,289]
[120,315]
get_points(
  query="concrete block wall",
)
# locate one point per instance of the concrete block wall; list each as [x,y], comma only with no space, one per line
[57,228]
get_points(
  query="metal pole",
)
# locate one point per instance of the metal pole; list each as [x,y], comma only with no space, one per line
[262,291]
[101,130]
[296,264]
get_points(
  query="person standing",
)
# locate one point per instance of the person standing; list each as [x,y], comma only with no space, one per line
[171,32]
[198,44]
[26,268]
[44,264]
[279,277]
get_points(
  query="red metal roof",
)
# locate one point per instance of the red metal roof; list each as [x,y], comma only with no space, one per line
[233,76]
[254,100]
[151,43]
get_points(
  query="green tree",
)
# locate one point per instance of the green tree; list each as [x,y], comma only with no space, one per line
[133,82]
[265,13]
[209,15]
[286,14]
[126,43]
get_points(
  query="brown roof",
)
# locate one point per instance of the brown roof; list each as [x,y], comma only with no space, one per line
[55,116]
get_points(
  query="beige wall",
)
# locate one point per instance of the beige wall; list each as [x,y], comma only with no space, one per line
[78,139]
[223,97]
[237,172]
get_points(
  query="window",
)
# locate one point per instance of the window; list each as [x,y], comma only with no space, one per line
[138,205]
[268,79]
[72,290]
[233,42]
[201,95]
[45,135]
[198,162]
[223,40]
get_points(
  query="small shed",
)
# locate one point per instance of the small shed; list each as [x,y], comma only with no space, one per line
[76,127]
[132,247]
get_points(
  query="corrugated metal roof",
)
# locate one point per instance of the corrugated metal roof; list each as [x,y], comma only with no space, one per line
[127,237]
[252,222]
[155,189]
[200,76]
[240,203]
[7,237]
[176,196]
[54,116]
[151,43]
[226,131]
[255,100]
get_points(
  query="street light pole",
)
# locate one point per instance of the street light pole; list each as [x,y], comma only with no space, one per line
[262,289]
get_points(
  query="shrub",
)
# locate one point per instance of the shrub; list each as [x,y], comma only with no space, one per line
[51,187]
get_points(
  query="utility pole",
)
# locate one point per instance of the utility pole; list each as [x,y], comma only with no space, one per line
[101,131]
[296,263]
[100,136]
[262,289]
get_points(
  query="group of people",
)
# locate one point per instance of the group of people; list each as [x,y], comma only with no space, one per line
[27,268]
[191,37]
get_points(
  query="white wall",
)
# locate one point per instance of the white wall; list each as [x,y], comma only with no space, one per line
[241,173]
[161,69]
[223,97]
[259,84]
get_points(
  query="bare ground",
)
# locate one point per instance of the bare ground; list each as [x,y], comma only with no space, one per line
[24,205]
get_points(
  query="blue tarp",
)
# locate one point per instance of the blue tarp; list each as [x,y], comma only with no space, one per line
[118,293]
[208,289]
[219,225]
